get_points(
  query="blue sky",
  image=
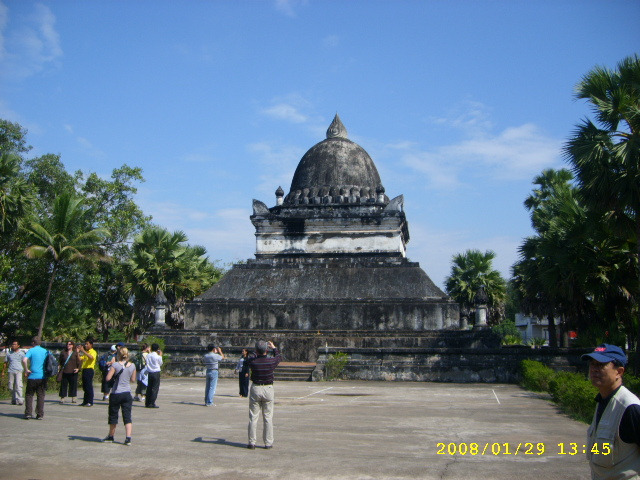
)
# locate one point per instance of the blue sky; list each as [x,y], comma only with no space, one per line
[459,103]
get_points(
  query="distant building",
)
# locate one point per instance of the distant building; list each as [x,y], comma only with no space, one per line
[532,327]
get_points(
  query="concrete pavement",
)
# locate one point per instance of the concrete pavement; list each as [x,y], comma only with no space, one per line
[326,430]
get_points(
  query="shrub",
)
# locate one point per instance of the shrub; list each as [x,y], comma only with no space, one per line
[505,329]
[150,340]
[335,365]
[632,382]
[535,375]
[574,393]
[536,342]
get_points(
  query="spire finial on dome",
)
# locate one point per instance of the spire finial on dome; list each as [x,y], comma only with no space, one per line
[336,129]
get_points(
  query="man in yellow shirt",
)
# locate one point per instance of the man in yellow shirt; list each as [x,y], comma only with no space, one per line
[89,357]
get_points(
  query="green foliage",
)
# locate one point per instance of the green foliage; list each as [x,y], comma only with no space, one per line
[535,375]
[583,263]
[151,339]
[470,271]
[536,342]
[511,340]
[574,394]
[506,327]
[83,297]
[571,391]
[335,365]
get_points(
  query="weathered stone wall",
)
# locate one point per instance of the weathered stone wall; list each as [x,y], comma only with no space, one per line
[312,315]
[481,364]
[499,365]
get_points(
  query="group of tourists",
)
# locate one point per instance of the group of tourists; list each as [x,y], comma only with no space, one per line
[613,438]
[121,372]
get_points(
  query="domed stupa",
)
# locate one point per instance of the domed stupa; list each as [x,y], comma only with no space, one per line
[330,257]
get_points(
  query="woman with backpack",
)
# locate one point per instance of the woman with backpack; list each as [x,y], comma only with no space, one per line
[123,374]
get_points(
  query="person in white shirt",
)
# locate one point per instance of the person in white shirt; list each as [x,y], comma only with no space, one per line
[154,364]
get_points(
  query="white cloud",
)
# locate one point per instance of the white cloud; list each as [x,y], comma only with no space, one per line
[280,163]
[472,117]
[517,152]
[228,236]
[30,47]
[288,6]
[435,248]
[284,111]
[331,41]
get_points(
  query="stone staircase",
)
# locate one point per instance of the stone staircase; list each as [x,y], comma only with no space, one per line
[294,372]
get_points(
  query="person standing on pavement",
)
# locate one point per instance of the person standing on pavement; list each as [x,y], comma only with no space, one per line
[154,364]
[104,364]
[121,375]
[613,439]
[141,363]
[33,363]
[261,395]
[14,363]
[88,356]
[211,361]
[242,369]
[70,365]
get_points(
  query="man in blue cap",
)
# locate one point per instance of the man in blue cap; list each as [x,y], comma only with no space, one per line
[613,439]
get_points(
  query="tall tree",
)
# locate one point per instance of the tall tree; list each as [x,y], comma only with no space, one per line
[470,271]
[605,155]
[66,237]
[161,260]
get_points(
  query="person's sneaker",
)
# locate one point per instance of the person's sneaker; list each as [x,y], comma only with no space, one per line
[28,417]
[88,405]
[13,402]
[136,398]
[108,438]
[61,402]
[268,446]
[127,441]
[251,446]
[38,417]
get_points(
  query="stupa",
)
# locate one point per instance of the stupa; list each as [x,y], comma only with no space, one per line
[331,257]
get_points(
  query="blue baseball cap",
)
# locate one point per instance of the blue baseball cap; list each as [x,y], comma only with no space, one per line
[119,344]
[606,353]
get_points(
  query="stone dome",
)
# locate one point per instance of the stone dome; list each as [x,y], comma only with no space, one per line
[336,168]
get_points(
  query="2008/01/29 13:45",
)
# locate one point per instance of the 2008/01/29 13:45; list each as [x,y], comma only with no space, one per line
[522,448]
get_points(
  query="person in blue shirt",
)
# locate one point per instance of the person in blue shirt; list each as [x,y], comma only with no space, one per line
[36,382]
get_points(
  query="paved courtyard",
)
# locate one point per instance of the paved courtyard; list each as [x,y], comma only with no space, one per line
[327,430]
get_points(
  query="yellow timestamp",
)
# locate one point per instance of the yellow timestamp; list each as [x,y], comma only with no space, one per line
[521,448]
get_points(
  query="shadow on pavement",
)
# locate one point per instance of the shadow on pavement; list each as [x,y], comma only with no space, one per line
[85,439]
[219,441]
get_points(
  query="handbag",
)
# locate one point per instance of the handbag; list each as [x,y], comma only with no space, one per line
[59,376]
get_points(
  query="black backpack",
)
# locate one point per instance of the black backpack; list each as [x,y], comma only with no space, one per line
[50,365]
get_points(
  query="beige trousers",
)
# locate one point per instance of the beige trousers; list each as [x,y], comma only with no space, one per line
[261,399]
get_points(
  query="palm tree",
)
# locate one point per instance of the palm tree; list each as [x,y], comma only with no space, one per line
[161,260]
[470,271]
[606,156]
[15,196]
[64,237]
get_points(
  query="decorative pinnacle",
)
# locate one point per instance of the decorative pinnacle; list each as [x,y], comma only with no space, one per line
[336,129]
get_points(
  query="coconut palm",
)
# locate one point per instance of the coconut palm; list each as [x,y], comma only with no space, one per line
[470,271]
[64,237]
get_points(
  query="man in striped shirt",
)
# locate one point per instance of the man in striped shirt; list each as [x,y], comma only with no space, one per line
[261,396]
